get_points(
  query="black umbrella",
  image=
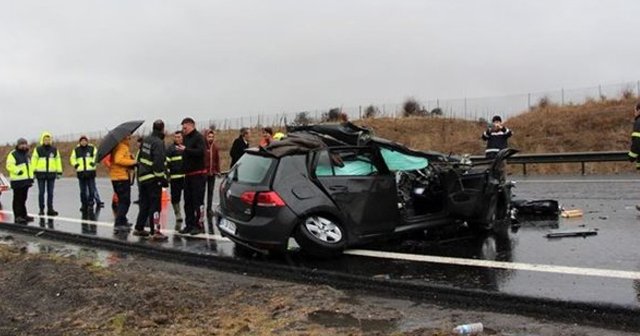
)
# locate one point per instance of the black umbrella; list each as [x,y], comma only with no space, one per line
[113,138]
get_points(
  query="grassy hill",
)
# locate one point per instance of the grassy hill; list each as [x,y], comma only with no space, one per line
[594,126]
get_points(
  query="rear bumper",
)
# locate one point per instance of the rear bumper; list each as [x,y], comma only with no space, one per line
[261,232]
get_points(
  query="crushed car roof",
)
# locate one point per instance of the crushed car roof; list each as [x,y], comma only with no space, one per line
[302,139]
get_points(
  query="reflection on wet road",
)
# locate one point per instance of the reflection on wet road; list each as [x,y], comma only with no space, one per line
[608,204]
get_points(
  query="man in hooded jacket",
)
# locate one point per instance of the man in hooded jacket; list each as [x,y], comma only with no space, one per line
[47,166]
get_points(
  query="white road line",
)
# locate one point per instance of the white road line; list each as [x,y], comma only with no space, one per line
[576,181]
[110,225]
[424,258]
[498,264]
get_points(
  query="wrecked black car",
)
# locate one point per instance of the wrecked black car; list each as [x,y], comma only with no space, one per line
[335,186]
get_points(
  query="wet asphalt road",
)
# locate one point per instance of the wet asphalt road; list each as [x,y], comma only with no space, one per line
[608,203]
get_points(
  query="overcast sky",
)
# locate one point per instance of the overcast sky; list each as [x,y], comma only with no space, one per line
[83,65]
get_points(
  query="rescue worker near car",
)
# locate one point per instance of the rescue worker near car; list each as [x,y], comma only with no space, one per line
[279,136]
[83,159]
[634,151]
[176,176]
[47,167]
[121,165]
[194,181]
[21,176]
[151,179]
[496,137]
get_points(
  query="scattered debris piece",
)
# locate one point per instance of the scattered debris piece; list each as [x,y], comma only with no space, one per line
[382,277]
[4,183]
[571,213]
[536,208]
[572,233]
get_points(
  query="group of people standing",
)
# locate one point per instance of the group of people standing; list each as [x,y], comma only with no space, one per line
[188,166]
[45,166]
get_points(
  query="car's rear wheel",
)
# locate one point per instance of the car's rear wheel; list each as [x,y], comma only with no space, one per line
[321,236]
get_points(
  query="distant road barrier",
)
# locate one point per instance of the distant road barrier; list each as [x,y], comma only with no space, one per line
[570,157]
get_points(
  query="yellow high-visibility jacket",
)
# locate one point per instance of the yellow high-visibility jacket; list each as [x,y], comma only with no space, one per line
[46,161]
[19,167]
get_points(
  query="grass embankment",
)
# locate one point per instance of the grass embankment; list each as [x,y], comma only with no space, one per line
[593,126]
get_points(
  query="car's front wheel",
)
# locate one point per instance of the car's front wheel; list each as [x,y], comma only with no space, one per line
[321,236]
[487,218]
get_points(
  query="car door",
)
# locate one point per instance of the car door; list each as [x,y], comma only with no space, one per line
[361,187]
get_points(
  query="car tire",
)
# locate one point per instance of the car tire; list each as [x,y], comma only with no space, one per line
[503,215]
[321,236]
[487,219]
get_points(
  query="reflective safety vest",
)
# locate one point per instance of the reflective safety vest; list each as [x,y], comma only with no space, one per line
[175,167]
[19,167]
[46,162]
[174,163]
[83,159]
[635,138]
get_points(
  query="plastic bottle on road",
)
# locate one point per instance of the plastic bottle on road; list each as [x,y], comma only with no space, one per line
[468,329]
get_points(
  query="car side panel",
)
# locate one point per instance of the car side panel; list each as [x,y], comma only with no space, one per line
[299,192]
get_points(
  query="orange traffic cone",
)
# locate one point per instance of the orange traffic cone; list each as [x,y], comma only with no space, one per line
[165,196]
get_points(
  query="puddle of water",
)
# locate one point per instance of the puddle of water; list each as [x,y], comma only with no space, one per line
[99,258]
[331,319]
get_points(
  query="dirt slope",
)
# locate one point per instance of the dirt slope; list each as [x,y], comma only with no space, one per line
[57,293]
[593,126]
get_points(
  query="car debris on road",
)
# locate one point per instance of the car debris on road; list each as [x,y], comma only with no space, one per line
[572,233]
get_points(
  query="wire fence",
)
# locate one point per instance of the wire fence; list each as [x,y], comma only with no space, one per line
[482,108]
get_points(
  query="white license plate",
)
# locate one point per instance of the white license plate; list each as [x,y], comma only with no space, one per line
[227,226]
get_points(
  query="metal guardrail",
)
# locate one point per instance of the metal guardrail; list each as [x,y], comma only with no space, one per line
[570,157]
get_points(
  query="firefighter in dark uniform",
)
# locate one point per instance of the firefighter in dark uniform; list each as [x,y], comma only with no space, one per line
[496,137]
[176,175]
[151,179]
[634,152]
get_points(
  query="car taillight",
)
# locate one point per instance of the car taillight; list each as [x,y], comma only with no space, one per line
[264,199]
[247,197]
[270,199]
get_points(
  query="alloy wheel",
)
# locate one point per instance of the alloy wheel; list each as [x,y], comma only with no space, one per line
[323,229]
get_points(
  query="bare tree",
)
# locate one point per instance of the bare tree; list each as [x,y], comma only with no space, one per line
[302,118]
[411,107]
[371,111]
